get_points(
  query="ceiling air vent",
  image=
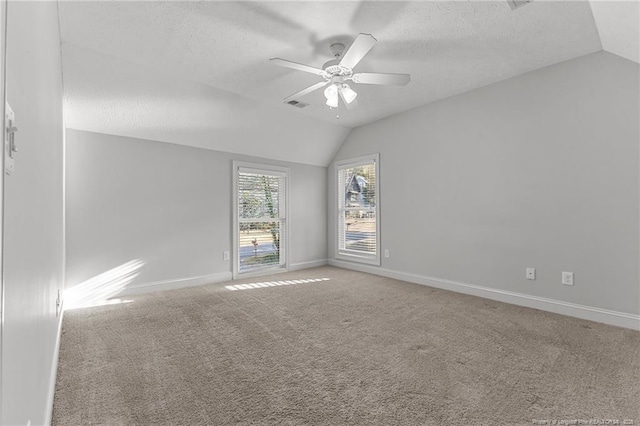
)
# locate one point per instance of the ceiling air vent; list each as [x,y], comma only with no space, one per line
[514,4]
[297,104]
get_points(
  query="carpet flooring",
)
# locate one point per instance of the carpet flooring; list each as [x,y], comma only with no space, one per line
[339,347]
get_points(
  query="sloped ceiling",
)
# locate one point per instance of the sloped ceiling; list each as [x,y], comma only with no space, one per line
[107,94]
[618,24]
[198,73]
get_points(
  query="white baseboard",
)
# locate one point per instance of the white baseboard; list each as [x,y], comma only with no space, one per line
[53,375]
[307,265]
[174,284]
[208,279]
[620,319]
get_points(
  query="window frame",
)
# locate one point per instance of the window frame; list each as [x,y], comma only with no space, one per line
[347,255]
[267,169]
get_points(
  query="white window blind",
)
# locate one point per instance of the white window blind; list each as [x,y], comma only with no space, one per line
[261,219]
[358,227]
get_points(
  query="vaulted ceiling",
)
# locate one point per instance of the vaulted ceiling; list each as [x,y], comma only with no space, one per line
[198,73]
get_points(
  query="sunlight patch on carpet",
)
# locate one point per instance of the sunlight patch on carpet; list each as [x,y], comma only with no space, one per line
[265,284]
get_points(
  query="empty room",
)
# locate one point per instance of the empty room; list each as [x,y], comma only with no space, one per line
[320,212]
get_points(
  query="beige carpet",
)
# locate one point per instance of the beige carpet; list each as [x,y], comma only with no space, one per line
[355,349]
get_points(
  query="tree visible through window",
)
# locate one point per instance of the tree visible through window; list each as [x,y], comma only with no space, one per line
[358,209]
[261,218]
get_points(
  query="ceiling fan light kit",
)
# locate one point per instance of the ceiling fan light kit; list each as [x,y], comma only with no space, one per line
[331,93]
[347,94]
[338,71]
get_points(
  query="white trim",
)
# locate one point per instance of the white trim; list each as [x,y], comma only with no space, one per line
[345,254]
[60,287]
[3,100]
[309,264]
[591,313]
[261,272]
[53,375]
[267,169]
[174,284]
[356,161]
[258,169]
[234,219]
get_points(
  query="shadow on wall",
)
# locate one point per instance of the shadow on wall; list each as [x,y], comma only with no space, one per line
[97,291]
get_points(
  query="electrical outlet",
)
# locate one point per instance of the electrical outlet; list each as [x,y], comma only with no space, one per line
[567,278]
[386,254]
[530,273]
[225,255]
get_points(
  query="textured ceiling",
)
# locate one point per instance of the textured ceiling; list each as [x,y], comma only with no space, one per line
[184,72]
[618,24]
[110,95]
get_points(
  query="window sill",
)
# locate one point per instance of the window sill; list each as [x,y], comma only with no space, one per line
[373,260]
[261,271]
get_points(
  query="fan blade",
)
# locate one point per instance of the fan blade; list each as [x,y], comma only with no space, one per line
[360,47]
[350,106]
[381,78]
[306,91]
[297,66]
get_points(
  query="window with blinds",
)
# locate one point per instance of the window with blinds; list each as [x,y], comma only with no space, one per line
[261,219]
[358,226]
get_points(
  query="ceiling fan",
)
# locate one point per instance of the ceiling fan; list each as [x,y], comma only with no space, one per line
[338,71]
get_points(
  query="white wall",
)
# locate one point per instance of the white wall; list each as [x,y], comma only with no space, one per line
[540,170]
[33,214]
[169,207]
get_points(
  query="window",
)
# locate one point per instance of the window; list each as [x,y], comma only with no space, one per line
[260,216]
[358,225]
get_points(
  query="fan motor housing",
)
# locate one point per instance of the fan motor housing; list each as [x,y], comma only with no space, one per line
[337,49]
[334,68]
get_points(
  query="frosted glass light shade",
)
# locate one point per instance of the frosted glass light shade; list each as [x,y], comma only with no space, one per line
[348,94]
[331,93]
